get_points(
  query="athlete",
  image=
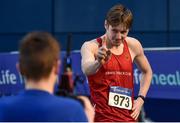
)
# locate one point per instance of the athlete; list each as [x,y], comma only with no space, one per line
[107,61]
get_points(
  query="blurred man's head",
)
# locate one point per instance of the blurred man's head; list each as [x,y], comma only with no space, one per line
[38,56]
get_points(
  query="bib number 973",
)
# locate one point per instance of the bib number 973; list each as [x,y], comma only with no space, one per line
[120,101]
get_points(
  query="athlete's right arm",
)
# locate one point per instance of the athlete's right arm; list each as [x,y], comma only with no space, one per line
[89,64]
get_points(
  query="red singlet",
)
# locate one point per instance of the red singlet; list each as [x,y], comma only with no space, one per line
[113,83]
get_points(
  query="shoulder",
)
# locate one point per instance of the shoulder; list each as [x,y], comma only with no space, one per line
[71,108]
[7,99]
[132,42]
[89,47]
[7,102]
[90,44]
[134,45]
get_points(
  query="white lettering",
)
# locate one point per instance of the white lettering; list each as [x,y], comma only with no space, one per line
[136,75]
[118,73]
[155,79]
[172,79]
[162,79]
[178,77]
[7,78]
[12,78]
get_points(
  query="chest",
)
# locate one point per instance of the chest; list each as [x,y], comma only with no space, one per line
[119,63]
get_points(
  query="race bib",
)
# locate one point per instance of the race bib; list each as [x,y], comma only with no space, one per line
[120,97]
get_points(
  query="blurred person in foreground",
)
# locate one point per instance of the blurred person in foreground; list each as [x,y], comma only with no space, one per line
[39,64]
[107,61]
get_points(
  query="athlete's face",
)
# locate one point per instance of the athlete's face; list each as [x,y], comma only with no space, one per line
[116,35]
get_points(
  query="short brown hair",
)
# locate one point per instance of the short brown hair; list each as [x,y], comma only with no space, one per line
[119,14]
[39,52]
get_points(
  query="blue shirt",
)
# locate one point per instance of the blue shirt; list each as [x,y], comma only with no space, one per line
[38,105]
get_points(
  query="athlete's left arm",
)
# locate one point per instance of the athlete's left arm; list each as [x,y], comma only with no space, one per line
[145,68]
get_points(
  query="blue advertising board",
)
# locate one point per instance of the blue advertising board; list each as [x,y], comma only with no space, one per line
[166,74]
[11,80]
[165,82]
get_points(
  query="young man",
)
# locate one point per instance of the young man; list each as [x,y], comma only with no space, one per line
[39,64]
[108,63]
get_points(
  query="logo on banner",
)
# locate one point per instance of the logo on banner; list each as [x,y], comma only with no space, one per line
[9,78]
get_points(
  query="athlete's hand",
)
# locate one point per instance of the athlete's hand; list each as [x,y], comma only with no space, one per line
[138,103]
[103,53]
[89,109]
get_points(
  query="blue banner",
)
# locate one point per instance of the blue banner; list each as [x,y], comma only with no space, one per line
[166,74]
[165,82]
[10,79]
